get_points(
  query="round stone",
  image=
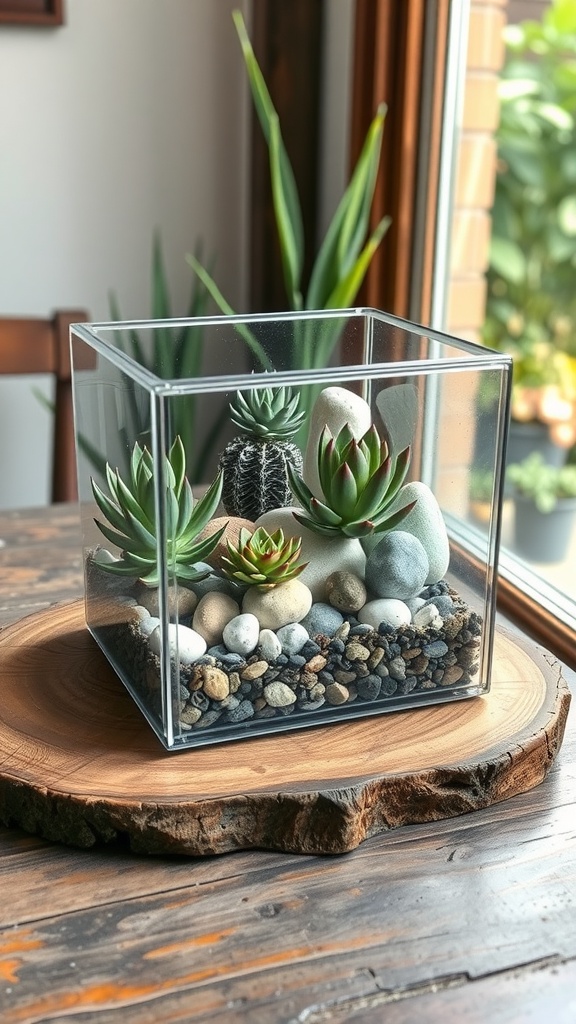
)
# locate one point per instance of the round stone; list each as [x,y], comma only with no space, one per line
[292,638]
[322,619]
[336,693]
[333,408]
[147,626]
[397,567]
[181,601]
[232,526]
[279,695]
[443,602]
[369,687]
[213,612]
[427,616]
[426,522]
[190,715]
[356,651]
[241,634]
[277,606]
[215,683]
[255,670]
[392,612]
[185,644]
[345,591]
[269,645]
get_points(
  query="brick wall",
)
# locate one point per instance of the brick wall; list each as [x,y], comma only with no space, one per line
[474,195]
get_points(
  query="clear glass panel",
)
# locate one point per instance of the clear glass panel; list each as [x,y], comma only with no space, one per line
[222,628]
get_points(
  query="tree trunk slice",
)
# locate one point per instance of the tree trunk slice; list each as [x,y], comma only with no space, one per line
[80,765]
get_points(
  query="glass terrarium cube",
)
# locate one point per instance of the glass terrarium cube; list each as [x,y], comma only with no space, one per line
[280,516]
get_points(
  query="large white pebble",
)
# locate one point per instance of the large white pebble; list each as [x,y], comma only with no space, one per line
[269,645]
[333,408]
[241,634]
[385,609]
[277,606]
[185,643]
[292,637]
[427,616]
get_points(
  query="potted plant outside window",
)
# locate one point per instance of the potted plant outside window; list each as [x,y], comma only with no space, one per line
[531,303]
[545,508]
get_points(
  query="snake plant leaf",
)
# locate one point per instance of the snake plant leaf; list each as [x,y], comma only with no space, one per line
[291,247]
[267,115]
[350,223]
[356,220]
[225,307]
[346,289]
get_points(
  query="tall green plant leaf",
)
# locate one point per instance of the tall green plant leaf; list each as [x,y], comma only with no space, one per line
[225,307]
[286,184]
[349,226]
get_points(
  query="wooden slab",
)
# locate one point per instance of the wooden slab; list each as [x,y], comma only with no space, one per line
[79,764]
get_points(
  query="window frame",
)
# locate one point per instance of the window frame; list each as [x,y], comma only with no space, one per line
[402,51]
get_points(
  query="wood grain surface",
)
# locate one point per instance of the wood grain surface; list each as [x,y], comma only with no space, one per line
[80,765]
[466,919]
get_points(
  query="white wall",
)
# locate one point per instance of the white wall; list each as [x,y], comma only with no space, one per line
[131,116]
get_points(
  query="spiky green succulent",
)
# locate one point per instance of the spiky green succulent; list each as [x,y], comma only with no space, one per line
[262,558]
[130,511]
[272,414]
[359,481]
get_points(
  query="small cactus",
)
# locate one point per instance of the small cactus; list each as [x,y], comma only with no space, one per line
[255,464]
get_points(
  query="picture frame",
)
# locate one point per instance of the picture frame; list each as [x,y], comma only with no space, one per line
[49,13]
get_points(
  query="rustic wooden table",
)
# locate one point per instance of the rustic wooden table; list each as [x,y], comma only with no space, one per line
[471,919]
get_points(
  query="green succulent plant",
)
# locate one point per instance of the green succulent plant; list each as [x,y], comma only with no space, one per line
[263,559]
[359,481]
[131,514]
[254,464]
[270,413]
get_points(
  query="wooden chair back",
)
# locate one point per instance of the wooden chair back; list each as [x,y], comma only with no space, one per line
[34,345]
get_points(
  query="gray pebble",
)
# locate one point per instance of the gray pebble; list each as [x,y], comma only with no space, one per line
[292,637]
[369,688]
[437,649]
[322,619]
[279,695]
[244,711]
[397,668]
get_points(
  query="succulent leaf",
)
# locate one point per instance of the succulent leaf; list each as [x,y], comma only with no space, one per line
[359,481]
[263,559]
[130,511]
[267,413]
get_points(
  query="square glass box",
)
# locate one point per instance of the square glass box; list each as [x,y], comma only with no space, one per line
[398,618]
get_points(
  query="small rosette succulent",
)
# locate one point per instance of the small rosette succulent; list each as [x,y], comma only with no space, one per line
[263,559]
[131,514]
[359,481]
